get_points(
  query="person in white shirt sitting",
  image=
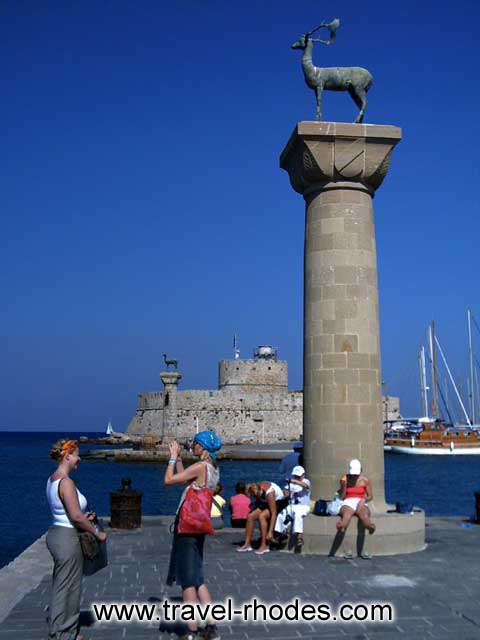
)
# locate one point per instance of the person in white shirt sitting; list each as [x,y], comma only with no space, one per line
[298,489]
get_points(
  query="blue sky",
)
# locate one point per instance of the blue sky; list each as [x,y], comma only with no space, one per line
[144,210]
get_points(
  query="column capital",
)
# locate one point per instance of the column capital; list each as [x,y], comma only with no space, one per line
[321,154]
[170,378]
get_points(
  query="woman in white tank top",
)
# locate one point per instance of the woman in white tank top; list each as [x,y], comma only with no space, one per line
[269,500]
[186,558]
[68,507]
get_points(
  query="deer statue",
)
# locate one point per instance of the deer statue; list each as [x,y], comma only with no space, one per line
[174,363]
[356,80]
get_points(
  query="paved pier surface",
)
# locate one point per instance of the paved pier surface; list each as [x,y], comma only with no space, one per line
[436,593]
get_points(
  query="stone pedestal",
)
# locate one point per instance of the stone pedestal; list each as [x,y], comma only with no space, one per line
[396,533]
[337,168]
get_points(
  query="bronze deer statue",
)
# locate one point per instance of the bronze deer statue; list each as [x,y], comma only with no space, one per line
[173,363]
[356,80]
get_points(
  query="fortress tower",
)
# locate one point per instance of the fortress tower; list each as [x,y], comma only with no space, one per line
[263,373]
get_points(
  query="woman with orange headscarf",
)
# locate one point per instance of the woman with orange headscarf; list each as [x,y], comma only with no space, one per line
[69,513]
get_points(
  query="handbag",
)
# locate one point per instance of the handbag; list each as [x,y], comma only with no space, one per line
[194,515]
[320,508]
[89,544]
[94,552]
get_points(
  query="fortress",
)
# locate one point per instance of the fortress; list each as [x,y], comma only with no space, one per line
[251,405]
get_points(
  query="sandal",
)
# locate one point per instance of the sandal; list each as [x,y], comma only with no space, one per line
[366,556]
[260,553]
[348,555]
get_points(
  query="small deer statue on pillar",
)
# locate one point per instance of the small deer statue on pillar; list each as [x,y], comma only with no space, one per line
[168,363]
[356,80]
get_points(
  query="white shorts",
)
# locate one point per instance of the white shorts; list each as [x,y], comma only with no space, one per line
[351,502]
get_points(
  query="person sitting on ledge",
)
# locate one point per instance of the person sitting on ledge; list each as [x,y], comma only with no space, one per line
[298,489]
[239,506]
[355,492]
[268,501]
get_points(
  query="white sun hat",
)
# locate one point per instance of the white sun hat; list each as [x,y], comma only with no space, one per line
[298,471]
[354,467]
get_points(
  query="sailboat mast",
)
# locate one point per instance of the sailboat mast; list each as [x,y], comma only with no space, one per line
[459,397]
[423,381]
[434,370]
[476,387]
[470,355]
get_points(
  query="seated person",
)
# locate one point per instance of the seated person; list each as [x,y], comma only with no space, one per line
[239,506]
[355,492]
[217,506]
[298,489]
[268,501]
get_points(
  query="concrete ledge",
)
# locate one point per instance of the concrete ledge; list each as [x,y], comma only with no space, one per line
[23,574]
[395,534]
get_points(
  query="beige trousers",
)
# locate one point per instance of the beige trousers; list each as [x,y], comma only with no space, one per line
[64,546]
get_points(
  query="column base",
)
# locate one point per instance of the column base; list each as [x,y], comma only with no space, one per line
[396,533]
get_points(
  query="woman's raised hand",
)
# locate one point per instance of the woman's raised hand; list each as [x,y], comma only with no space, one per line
[174,449]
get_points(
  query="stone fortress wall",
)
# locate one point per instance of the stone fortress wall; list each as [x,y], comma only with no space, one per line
[251,405]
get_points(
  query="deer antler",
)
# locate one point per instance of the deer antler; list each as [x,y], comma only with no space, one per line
[331,26]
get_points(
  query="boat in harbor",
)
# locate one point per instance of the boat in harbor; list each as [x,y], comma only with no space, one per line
[432,437]
[436,434]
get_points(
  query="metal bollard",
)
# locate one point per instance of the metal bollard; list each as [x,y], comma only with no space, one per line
[126,507]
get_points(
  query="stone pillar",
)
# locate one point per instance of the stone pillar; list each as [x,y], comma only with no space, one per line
[337,168]
[169,427]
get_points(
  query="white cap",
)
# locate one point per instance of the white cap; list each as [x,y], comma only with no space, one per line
[354,467]
[298,471]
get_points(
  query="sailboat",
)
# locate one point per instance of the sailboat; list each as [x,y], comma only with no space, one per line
[109,430]
[430,434]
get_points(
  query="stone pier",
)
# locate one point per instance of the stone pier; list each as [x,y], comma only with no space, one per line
[434,594]
[337,168]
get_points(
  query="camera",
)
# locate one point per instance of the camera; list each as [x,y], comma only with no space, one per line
[188,445]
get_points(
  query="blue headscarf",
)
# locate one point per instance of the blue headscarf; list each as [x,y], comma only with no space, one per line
[209,441]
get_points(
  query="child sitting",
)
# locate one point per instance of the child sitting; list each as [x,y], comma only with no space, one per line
[217,505]
[239,506]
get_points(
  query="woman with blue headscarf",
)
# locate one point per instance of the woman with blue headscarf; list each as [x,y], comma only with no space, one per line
[186,559]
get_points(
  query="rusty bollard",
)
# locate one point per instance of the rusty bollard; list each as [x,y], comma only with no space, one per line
[126,507]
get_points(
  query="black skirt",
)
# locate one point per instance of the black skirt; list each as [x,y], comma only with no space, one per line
[186,559]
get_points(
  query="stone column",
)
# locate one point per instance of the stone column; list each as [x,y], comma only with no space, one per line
[169,427]
[337,168]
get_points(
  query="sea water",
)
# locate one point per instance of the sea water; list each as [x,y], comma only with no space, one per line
[441,485]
